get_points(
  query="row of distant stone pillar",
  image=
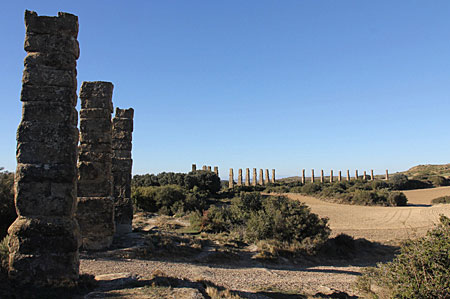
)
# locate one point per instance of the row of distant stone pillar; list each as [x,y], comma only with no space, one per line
[206,168]
[72,187]
[365,176]
[262,179]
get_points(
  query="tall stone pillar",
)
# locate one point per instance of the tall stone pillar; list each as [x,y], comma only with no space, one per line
[261,177]
[331,175]
[387,175]
[122,163]
[231,179]
[44,239]
[247,177]
[356,174]
[194,168]
[204,167]
[255,178]
[312,175]
[371,175]
[95,211]
[209,168]
[364,175]
[321,176]
[303,176]
[239,183]
[348,175]
[273,176]
[267,178]
[340,176]
[216,170]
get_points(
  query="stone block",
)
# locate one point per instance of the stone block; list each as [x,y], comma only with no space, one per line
[95,113]
[47,112]
[123,136]
[123,124]
[59,61]
[124,146]
[45,153]
[122,165]
[88,125]
[58,135]
[98,148]
[57,173]
[51,94]
[96,137]
[122,154]
[51,43]
[103,157]
[95,216]
[97,188]
[44,76]
[64,23]
[124,113]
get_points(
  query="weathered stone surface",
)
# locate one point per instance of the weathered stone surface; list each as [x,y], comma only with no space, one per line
[331,176]
[312,175]
[267,178]
[231,179]
[216,170]
[247,177]
[348,175]
[303,176]
[387,175]
[321,176]
[340,176]
[95,216]
[194,168]
[95,212]
[273,176]
[121,169]
[255,178]
[44,239]
[371,175]
[239,182]
[356,174]
[261,177]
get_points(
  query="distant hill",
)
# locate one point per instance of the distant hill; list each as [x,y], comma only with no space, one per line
[428,170]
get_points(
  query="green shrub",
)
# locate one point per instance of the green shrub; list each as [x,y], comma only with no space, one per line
[4,254]
[442,199]
[203,180]
[7,208]
[311,188]
[168,200]
[376,185]
[399,182]
[397,199]
[420,270]
[276,189]
[217,219]
[438,181]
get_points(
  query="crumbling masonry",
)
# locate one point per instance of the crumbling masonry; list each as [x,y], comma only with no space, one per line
[44,239]
[95,212]
[122,130]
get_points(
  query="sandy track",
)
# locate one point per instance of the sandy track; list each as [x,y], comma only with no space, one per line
[383,224]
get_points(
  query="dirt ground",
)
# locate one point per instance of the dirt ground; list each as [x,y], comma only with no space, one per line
[387,225]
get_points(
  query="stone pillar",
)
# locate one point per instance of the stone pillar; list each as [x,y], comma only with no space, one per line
[312,175]
[303,176]
[387,175]
[122,163]
[364,175]
[371,175]
[273,176]
[321,176]
[44,239]
[348,175]
[340,176]
[267,178]
[239,182]
[247,177]
[209,168]
[356,174]
[261,177]
[331,175]
[204,167]
[255,178]
[194,168]
[231,179]
[95,211]
[216,170]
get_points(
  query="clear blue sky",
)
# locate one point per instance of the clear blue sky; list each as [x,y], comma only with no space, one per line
[266,84]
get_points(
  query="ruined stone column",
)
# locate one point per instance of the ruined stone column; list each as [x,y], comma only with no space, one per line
[312,175]
[209,168]
[204,167]
[331,176]
[356,174]
[364,175]
[321,176]
[387,175]
[267,179]
[303,177]
[273,176]
[247,177]
[239,183]
[216,170]
[44,239]
[371,175]
[194,168]
[348,175]
[95,211]
[231,179]
[121,169]
[340,176]
[261,177]
[255,178]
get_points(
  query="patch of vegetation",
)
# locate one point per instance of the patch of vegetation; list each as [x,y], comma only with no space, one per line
[168,199]
[287,223]
[420,270]
[4,254]
[442,199]
[7,208]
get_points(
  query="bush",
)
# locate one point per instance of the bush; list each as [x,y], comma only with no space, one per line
[438,181]
[442,199]
[4,254]
[399,182]
[420,270]
[168,200]
[7,208]
[204,180]
[311,188]
[397,199]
